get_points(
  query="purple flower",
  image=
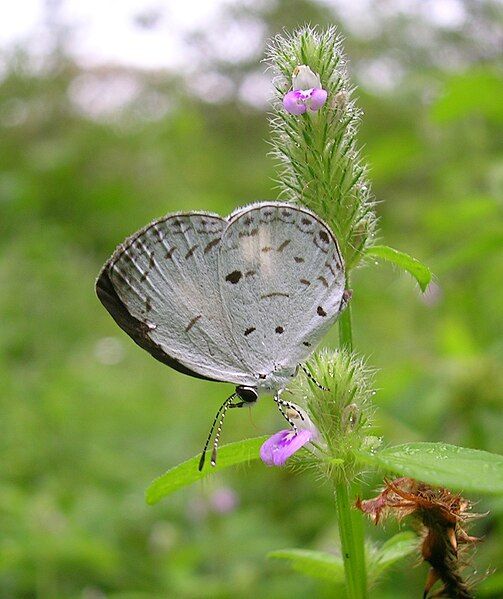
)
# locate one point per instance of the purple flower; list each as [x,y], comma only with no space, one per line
[307,93]
[298,101]
[278,448]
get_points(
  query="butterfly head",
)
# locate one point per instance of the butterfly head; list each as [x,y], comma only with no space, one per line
[247,394]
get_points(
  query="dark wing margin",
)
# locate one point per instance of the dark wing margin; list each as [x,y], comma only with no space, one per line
[137,330]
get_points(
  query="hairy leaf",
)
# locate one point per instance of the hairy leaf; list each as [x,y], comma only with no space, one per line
[317,564]
[460,468]
[187,472]
[393,550]
[413,266]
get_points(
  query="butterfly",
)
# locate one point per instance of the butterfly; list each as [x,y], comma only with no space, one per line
[243,299]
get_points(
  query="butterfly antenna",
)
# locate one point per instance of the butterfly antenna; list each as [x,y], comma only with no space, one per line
[223,408]
[312,379]
[216,440]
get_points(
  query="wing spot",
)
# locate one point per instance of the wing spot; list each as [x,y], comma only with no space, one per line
[286,213]
[151,261]
[144,276]
[190,252]
[192,322]
[248,220]
[320,311]
[306,343]
[169,253]
[148,304]
[316,243]
[329,266]
[324,236]
[249,330]
[251,233]
[266,249]
[275,294]
[298,259]
[250,273]
[279,330]
[284,244]
[158,233]
[323,281]
[306,221]
[305,282]
[211,245]
[234,276]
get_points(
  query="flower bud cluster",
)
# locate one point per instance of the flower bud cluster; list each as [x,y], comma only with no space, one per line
[342,413]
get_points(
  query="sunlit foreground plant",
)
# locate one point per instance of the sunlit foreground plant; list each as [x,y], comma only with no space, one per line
[314,124]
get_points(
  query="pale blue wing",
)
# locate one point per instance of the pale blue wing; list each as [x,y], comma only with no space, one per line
[281,278]
[161,286]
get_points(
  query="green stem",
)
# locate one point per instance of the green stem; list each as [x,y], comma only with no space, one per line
[350,520]
[345,329]
[352,542]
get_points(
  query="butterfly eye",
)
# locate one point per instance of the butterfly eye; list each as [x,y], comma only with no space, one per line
[247,394]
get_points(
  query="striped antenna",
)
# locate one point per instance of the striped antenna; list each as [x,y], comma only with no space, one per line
[223,408]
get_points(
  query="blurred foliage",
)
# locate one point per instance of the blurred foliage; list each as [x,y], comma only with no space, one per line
[88,419]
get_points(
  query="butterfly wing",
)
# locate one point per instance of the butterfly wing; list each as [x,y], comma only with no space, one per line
[281,279]
[161,287]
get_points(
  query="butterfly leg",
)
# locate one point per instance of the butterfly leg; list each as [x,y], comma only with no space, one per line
[312,379]
[346,296]
[282,404]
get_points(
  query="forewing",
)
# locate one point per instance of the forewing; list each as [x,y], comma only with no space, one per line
[281,279]
[161,287]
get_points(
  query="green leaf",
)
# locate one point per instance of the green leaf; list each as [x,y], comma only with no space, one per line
[187,472]
[393,550]
[469,470]
[317,564]
[417,269]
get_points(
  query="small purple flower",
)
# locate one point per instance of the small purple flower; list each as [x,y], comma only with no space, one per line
[307,93]
[278,448]
[298,101]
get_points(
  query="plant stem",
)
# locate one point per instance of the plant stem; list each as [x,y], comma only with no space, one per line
[345,329]
[352,542]
[350,521]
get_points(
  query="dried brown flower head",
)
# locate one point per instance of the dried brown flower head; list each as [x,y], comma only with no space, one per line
[442,515]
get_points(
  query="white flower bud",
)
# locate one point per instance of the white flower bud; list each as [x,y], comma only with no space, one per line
[304,78]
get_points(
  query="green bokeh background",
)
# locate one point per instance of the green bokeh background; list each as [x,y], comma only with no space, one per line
[88,419]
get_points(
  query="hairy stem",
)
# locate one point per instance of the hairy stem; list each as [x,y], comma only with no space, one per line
[352,542]
[350,521]
[345,330]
